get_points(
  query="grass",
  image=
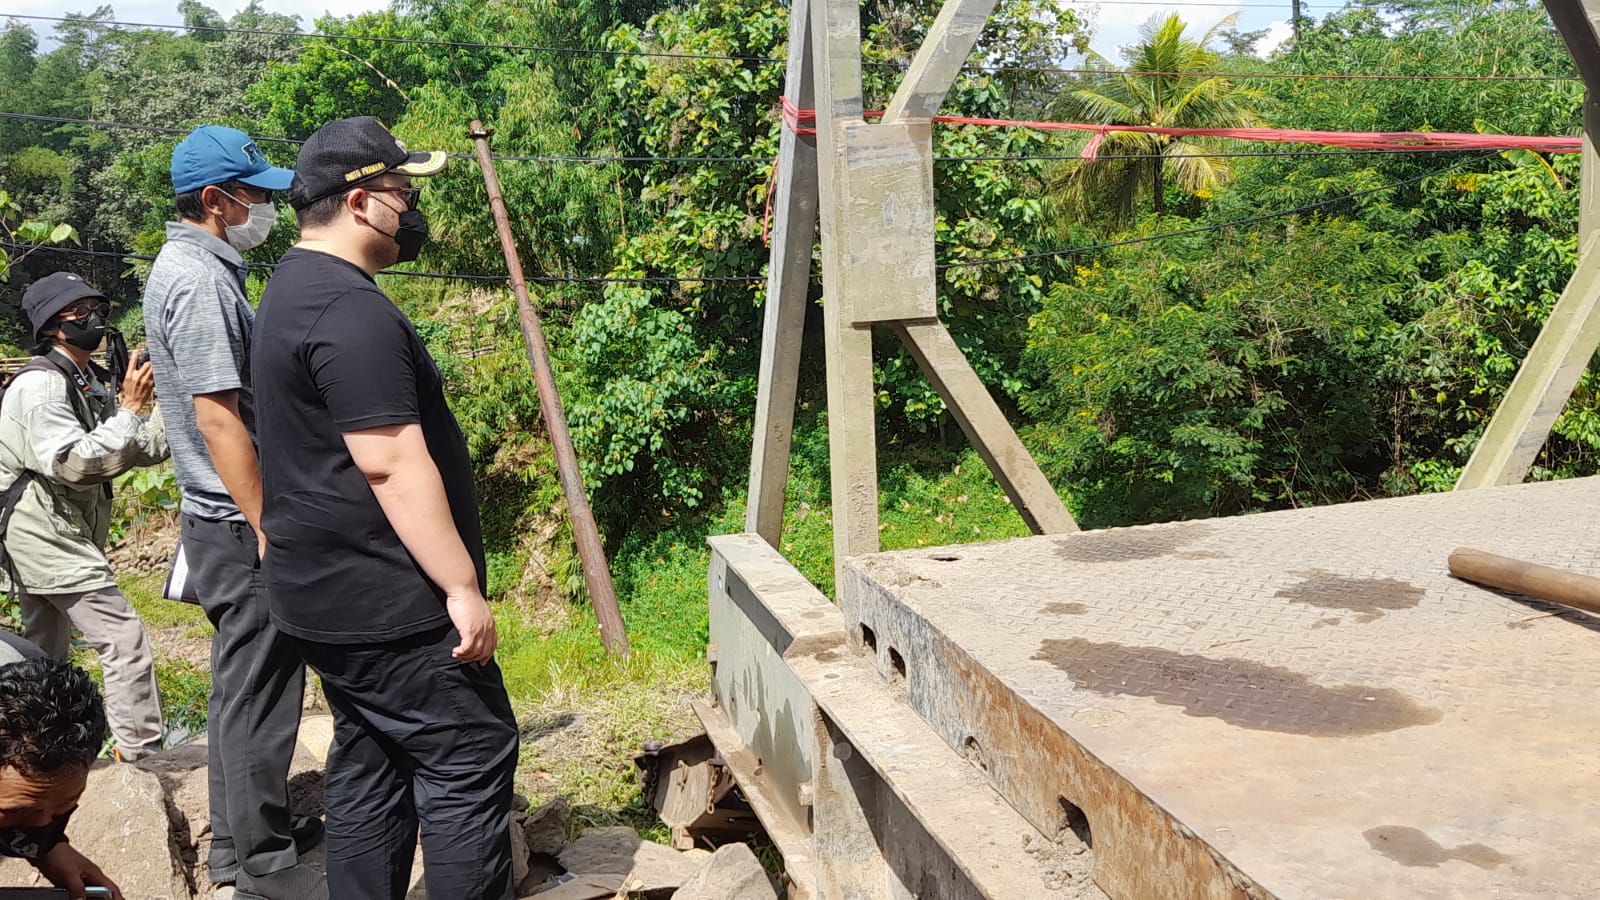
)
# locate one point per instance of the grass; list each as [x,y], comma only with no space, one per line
[144,592]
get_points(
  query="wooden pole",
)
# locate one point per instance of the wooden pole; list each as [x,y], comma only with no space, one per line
[794,216]
[596,572]
[1519,577]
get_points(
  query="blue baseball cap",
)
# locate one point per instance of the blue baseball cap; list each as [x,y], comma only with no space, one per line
[214,154]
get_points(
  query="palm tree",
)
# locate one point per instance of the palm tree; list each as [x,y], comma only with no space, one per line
[1170,81]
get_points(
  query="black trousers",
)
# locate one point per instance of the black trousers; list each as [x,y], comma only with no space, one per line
[253,717]
[420,738]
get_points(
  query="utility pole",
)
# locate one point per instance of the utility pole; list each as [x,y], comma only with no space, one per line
[1294,21]
[596,571]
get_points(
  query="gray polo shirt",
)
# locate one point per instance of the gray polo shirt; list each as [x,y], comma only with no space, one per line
[198,322]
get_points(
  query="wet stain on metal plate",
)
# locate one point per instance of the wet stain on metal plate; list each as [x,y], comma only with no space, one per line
[1368,598]
[1066,609]
[1121,544]
[1240,692]
[1413,848]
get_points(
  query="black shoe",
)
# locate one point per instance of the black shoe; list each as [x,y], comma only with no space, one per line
[307,832]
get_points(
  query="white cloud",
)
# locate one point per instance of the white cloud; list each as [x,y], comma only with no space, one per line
[1277,34]
[1116,26]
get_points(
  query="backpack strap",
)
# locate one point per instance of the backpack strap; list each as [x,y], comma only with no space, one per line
[13,494]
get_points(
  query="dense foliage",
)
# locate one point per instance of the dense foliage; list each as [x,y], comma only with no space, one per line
[1351,349]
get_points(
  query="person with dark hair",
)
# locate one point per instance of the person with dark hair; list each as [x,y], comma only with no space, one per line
[375,562]
[64,435]
[199,322]
[51,727]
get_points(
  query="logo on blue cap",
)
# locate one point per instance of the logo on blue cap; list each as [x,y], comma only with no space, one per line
[213,154]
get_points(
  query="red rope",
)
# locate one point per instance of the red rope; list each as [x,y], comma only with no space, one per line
[802,121]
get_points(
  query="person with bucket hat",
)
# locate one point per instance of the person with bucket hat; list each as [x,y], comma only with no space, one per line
[64,435]
[199,322]
[375,560]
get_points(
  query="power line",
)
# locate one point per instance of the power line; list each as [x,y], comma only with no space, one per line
[663,54]
[130,126]
[1234,223]
[449,276]
[161,129]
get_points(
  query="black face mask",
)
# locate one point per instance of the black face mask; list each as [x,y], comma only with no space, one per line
[32,842]
[413,233]
[87,333]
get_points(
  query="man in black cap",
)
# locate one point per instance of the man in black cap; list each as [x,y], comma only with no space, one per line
[374,558]
[63,437]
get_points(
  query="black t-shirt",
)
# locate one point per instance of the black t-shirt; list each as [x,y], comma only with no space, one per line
[331,354]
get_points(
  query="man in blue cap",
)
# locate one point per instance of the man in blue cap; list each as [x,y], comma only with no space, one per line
[198,322]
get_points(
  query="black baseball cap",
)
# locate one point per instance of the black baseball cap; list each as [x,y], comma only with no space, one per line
[346,152]
[53,293]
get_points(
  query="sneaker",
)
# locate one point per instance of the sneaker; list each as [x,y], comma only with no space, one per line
[127,756]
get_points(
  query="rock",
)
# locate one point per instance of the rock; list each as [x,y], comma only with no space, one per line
[541,868]
[546,827]
[184,777]
[582,887]
[651,868]
[519,803]
[519,853]
[732,873]
[315,737]
[122,825]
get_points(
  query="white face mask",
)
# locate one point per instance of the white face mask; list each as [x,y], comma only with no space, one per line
[254,231]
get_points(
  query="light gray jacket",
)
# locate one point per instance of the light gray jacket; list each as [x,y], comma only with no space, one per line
[57,535]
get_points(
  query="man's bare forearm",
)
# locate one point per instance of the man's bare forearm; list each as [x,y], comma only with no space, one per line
[233,453]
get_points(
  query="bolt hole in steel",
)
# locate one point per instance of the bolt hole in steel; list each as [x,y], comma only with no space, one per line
[898,662]
[869,638]
[1072,820]
[973,751]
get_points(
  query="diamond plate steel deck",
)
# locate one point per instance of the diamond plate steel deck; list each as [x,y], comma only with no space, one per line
[1294,704]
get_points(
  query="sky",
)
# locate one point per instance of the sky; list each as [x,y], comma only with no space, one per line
[1116,22]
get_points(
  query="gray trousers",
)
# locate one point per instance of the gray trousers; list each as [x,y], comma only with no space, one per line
[115,631]
[257,688]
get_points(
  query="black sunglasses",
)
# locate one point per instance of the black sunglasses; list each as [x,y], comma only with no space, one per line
[85,310]
[410,195]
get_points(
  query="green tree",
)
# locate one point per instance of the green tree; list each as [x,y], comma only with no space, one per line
[1218,374]
[1169,82]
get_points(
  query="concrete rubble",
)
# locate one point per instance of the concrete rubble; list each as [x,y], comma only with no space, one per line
[731,873]
[148,825]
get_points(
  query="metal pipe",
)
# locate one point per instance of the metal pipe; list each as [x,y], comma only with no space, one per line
[596,572]
[1540,582]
